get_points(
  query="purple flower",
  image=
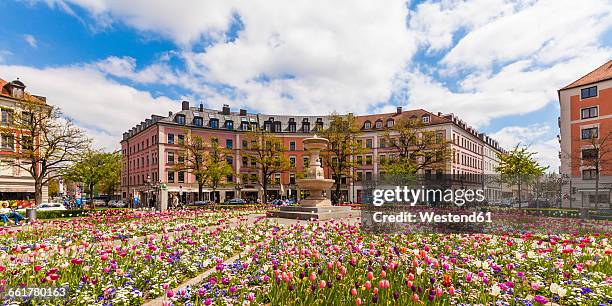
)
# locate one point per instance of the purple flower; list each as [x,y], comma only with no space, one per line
[540,299]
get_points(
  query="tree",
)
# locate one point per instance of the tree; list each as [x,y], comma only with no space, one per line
[597,156]
[92,168]
[518,167]
[266,151]
[217,167]
[417,149]
[206,161]
[46,143]
[112,173]
[342,135]
[53,188]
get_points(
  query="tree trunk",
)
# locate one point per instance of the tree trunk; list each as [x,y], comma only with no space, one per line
[265,192]
[93,206]
[200,185]
[519,193]
[597,188]
[38,189]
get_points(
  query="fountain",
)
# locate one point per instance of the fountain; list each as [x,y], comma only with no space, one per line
[316,205]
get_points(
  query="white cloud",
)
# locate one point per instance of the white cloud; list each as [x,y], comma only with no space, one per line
[547,31]
[125,67]
[4,54]
[537,139]
[31,40]
[103,107]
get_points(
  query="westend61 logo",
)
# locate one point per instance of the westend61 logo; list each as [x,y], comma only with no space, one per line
[411,196]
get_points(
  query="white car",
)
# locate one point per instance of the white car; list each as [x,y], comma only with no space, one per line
[51,206]
[116,204]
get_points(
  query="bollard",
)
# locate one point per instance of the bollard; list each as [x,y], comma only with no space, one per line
[31,214]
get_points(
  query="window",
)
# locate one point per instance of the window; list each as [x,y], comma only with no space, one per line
[8,142]
[319,124]
[244,126]
[378,124]
[305,162]
[229,143]
[367,125]
[292,178]
[245,144]
[359,176]
[359,160]
[383,143]
[277,179]
[589,133]
[425,119]
[170,176]
[369,143]
[214,123]
[292,127]
[277,127]
[170,138]
[181,158]
[198,121]
[292,161]
[245,161]
[268,126]
[292,146]
[368,160]
[306,127]
[589,174]
[229,160]
[229,178]
[7,117]
[229,125]
[390,123]
[382,159]
[588,92]
[180,119]
[181,139]
[170,158]
[181,177]
[590,112]
[589,154]
[27,143]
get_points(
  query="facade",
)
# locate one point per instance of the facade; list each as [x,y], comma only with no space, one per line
[150,151]
[585,124]
[15,183]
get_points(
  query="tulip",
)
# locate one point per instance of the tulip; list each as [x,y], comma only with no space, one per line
[358,301]
[353,292]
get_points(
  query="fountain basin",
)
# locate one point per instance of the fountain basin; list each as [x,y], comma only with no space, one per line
[314,184]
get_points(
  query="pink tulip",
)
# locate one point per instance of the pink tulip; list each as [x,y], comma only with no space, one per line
[358,301]
[353,292]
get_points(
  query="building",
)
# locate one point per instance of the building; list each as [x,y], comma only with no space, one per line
[150,150]
[585,124]
[15,183]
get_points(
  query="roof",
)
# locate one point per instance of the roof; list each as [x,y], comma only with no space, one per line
[26,95]
[416,113]
[602,73]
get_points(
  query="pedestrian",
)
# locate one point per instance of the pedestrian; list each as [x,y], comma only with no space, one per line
[6,213]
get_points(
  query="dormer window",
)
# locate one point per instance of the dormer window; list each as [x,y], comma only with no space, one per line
[229,124]
[425,118]
[17,93]
[378,124]
[367,125]
[268,126]
[180,119]
[292,125]
[319,124]
[305,125]
[244,126]
[390,123]
[277,126]
[198,121]
[214,123]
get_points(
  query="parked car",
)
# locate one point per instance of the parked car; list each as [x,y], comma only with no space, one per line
[116,204]
[203,203]
[98,203]
[51,206]
[277,202]
[235,201]
[506,203]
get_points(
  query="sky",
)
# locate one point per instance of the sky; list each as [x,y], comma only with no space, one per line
[109,64]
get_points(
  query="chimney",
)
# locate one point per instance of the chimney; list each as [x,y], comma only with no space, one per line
[185,105]
[201,107]
[399,110]
[226,109]
[243,112]
[439,114]
[169,114]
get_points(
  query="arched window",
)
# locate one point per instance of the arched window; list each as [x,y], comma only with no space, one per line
[390,123]
[367,125]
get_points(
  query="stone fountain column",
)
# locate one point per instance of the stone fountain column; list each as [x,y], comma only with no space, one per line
[315,206]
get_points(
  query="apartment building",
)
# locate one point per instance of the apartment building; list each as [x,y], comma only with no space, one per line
[15,183]
[150,150]
[585,124]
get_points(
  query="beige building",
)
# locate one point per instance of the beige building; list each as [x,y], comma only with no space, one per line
[15,183]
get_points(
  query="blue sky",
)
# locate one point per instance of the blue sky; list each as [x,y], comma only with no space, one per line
[495,63]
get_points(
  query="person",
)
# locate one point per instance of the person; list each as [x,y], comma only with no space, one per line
[6,213]
[175,202]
